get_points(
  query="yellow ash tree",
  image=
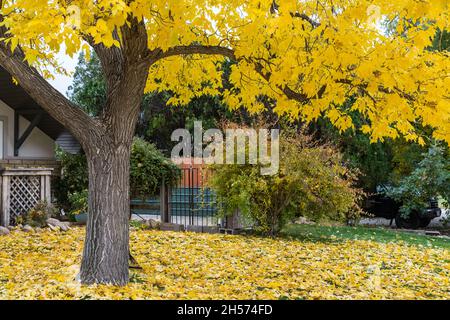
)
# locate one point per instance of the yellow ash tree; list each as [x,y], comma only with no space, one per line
[306,56]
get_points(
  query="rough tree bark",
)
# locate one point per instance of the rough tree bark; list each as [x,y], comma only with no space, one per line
[106,250]
[105,255]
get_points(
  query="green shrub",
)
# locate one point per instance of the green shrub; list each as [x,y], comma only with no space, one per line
[38,215]
[79,202]
[311,182]
[148,169]
[430,179]
[73,179]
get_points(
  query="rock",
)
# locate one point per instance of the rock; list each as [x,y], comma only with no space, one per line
[202,229]
[192,228]
[4,231]
[52,221]
[152,224]
[52,227]
[303,220]
[422,232]
[55,224]
[27,228]
[432,233]
[210,229]
[11,228]
[64,227]
[172,227]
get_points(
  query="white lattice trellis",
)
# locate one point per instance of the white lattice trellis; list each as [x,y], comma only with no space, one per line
[21,190]
[25,193]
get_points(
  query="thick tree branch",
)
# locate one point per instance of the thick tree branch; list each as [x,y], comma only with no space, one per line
[159,54]
[125,69]
[133,42]
[108,57]
[288,92]
[306,18]
[51,100]
[274,9]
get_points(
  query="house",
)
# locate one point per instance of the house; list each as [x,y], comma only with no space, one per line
[28,137]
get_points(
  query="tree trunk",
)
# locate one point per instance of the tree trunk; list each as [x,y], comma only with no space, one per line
[106,250]
[106,141]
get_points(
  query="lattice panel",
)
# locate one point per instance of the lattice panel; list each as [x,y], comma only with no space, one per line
[25,192]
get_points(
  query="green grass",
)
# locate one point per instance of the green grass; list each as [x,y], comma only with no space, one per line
[338,233]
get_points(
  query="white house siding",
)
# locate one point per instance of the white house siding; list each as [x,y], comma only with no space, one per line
[37,146]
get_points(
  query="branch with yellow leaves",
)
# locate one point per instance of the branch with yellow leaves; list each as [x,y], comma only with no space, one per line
[159,54]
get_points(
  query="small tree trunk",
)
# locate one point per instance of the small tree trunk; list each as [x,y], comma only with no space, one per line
[106,250]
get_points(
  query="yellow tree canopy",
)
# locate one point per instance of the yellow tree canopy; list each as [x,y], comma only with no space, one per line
[307,56]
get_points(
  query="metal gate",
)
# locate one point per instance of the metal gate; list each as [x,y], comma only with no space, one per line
[190,202]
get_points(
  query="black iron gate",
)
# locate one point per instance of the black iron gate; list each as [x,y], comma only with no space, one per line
[190,202]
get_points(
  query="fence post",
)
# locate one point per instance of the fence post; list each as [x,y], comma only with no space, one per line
[4,214]
[164,202]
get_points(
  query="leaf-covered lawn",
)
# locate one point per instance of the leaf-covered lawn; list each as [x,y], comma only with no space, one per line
[321,233]
[188,265]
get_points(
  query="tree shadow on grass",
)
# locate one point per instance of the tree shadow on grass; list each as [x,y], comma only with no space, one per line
[336,234]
